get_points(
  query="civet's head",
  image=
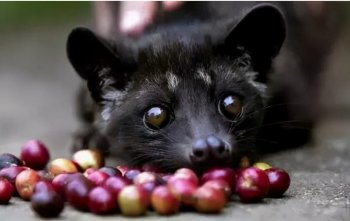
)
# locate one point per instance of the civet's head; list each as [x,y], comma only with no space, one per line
[182,104]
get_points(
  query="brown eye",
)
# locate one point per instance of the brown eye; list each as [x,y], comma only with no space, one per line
[156,117]
[230,107]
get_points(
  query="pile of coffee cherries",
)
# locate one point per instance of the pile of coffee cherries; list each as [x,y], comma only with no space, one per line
[86,184]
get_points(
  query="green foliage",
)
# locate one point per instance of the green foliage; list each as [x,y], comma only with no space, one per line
[26,13]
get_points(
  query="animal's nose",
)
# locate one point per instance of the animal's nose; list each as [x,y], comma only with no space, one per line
[209,150]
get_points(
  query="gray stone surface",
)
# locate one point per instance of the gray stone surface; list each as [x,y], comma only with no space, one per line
[37,88]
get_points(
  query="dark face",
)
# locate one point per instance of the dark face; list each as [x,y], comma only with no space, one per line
[182,105]
[192,113]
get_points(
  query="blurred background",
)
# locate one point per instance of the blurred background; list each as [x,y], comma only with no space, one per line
[38,85]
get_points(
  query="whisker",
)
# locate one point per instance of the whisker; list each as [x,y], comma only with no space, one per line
[277,123]
[273,106]
[159,131]
[231,128]
[283,104]
[167,136]
[257,139]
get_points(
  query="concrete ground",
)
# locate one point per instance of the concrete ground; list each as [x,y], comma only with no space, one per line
[37,88]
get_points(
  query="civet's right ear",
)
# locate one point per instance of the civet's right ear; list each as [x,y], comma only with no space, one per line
[95,62]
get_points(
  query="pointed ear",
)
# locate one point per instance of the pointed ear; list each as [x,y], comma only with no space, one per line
[95,62]
[261,33]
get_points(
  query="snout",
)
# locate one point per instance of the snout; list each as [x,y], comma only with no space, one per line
[210,150]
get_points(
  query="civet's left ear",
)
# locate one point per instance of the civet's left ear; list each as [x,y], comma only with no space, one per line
[261,33]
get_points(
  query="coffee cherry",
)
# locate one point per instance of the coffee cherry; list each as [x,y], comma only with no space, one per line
[90,158]
[111,171]
[62,165]
[131,174]
[115,184]
[262,165]
[77,193]
[47,203]
[46,186]
[164,202]
[148,181]
[252,185]
[167,177]
[80,170]
[144,177]
[221,185]
[209,200]
[25,183]
[187,174]
[6,191]
[224,173]
[88,171]
[98,177]
[35,154]
[61,181]
[123,169]
[133,201]
[183,190]
[9,160]
[76,176]
[149,186]
[279,181]
[45,175]
[102,201]
[10,173]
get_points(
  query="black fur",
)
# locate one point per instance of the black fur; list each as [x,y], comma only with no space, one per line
[127,76]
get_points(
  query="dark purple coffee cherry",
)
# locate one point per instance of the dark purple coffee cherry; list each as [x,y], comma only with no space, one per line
[111,171]
[47,203]
[9,160]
